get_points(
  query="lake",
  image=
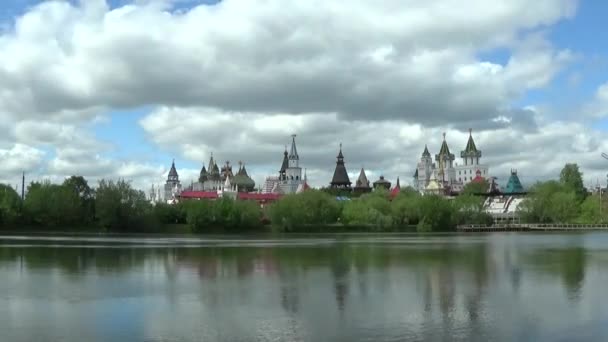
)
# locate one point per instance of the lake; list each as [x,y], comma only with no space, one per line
[494,287]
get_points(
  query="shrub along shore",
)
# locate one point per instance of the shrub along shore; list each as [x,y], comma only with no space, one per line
[115,206]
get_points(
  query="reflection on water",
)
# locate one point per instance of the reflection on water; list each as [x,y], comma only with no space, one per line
[505,287]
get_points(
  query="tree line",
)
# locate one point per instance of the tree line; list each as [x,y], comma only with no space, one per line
[115,206]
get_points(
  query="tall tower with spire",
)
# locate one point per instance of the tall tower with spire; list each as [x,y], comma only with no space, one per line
[446,174]
[291,170]
[471,163]
[424,169]
[172,185]
[340,179]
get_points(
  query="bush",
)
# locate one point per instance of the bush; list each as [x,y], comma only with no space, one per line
[225,214]
[299,212]
[119,207]
[372,209]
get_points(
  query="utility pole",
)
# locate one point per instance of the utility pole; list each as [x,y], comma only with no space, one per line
[23,186]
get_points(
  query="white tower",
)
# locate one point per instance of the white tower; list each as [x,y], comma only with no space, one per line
[471,164]
[293,172]
[424,170]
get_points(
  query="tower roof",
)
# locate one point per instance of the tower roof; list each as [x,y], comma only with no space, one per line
[513,185]
[340,155]
[340,178]
[203,175]
[285,163]
[416,173]
[426,152]
[294,151]
[470,150]
[444,151]
[396,189]
[382,182]
[211,162]
[173,172]
[362,181]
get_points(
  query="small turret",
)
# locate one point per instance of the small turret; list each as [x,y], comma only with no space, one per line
[362,183]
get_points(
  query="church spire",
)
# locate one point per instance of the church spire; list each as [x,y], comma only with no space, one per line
[426,152]
[340,178]
[293,155]
[173,176]
[285,163]
[470,151]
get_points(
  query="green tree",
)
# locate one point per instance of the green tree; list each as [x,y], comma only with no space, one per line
[590,212]
[10,205]
[372,209]
[48,204]
[224,213]
[435,214]
[119,207]
[170,213]
[550,202]
[468,209]
[86,196]
[405,208]
[305,211]
[473,188]
[572,178]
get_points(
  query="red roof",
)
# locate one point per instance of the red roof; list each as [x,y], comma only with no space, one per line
[199,194]
[305,186]
[395,191]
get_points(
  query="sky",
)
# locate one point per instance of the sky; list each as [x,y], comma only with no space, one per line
[119,89]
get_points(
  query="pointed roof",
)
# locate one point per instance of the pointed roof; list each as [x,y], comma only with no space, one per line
[444,151]
[173,172]
[227,183]
[470,150]
[513,185]
[203,175]
[340,178]
[362,181]
[340,155]
[294,152]
[396,190]
[471,143]
[285,163]
[426,152]
[211,162]
[416,173]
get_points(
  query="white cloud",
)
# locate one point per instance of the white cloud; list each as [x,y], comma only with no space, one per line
[393,59]
[19,158]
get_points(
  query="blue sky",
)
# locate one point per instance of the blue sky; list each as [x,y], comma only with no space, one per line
[142,131]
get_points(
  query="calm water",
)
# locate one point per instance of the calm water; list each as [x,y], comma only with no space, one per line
[500,287]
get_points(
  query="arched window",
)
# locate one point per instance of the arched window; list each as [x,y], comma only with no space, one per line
[297,177]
